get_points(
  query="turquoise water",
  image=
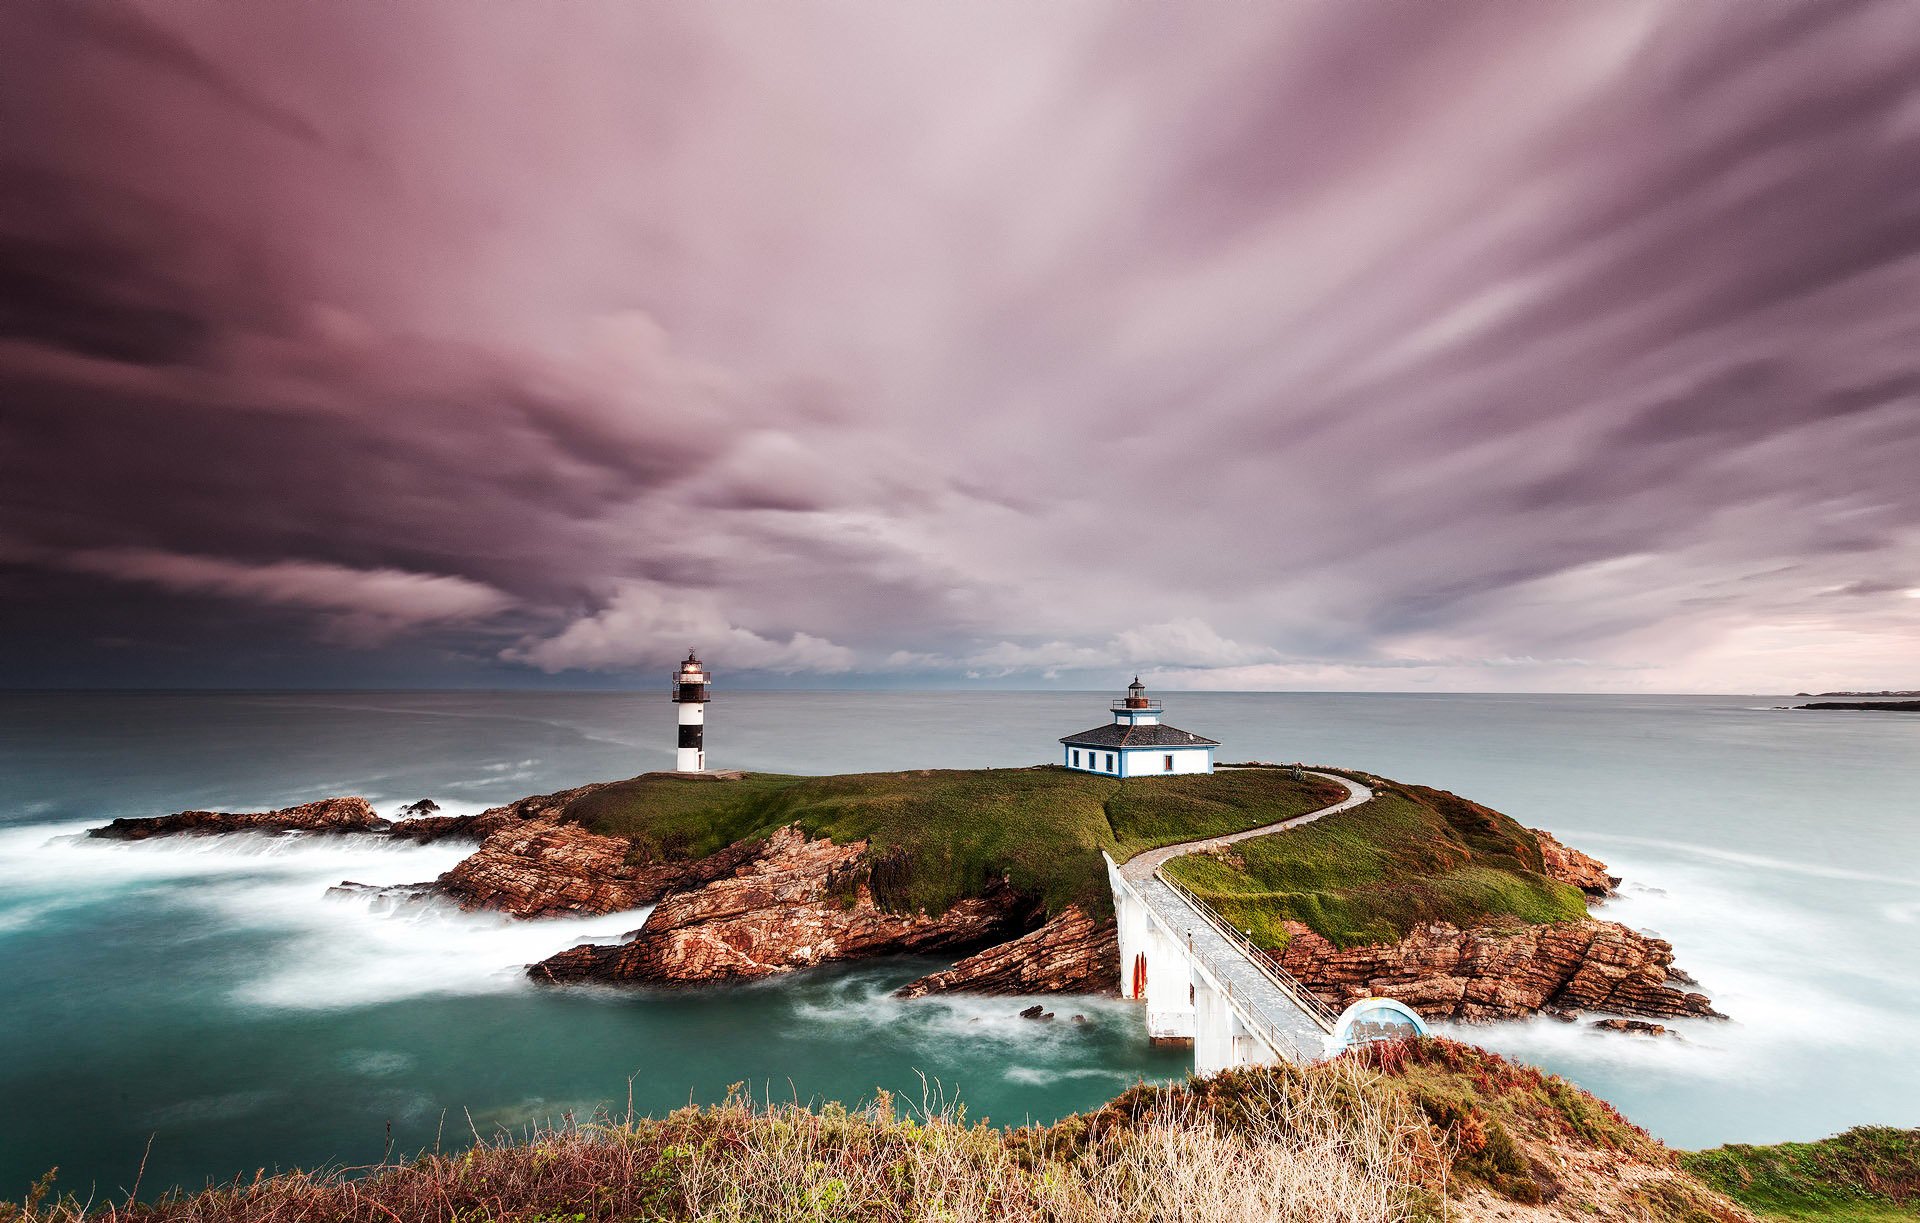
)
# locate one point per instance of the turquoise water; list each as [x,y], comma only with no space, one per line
[207,997]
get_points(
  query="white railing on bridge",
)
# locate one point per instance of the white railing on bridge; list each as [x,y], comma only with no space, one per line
[1288,984]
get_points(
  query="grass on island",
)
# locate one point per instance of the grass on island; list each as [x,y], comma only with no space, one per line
[1867,1174]
[938,835]
[1370,874]
[1409,1132]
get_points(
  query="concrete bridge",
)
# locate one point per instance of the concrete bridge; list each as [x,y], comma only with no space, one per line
[1204,981]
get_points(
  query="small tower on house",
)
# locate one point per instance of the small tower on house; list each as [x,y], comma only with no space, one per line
[692,689]
[1137,743]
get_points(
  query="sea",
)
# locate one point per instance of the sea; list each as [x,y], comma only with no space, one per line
[184,1011]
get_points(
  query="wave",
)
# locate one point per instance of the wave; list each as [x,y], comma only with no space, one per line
[325,951]
[1739,858]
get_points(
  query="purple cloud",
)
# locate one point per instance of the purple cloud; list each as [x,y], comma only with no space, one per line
[1466,346]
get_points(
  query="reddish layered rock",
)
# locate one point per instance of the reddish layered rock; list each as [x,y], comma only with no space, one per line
[791,902]
[1483,973]
[1072,954]
[1569,865]
[539,868]
[479,827]
[328,815]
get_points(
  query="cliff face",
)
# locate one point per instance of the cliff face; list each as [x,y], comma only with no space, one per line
[1445,972]
[787,902]
[1569,865]
[1072,954]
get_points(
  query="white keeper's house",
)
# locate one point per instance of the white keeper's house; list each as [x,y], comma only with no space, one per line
[1137,743]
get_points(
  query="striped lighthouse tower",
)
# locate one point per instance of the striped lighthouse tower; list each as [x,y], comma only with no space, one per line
[692,689]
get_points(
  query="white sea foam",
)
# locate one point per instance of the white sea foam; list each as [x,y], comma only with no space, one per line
[1040,1076]
[376,1063]
[333,951]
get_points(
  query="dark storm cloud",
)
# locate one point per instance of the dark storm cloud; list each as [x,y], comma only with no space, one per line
[1476,345]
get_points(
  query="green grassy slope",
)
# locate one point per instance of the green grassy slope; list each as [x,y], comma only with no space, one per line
[938,835]
[1370,874]
[1866,1174]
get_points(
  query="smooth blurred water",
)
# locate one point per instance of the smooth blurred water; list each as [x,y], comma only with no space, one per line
[206,995]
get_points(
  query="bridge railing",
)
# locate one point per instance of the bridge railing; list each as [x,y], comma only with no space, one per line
[1283,980]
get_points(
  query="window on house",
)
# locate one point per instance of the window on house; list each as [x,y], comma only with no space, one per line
[1076,760]
[1109,762]
[1168,767]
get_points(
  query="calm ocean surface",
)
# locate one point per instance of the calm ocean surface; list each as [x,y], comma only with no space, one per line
[205,995]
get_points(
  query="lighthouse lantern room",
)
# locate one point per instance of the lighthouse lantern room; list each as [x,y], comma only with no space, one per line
[692,689]
[1137,743]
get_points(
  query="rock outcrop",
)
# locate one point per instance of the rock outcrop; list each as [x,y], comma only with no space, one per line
[1485,973]
[1072,954]
[328,815]
[790,902]
[541,868]
[1569,865]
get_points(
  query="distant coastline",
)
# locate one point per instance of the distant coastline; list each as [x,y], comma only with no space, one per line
[1900,706]
[1883,692]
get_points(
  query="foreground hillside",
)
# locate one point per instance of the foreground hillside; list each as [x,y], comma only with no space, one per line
[1428,1130]
[1866,1175]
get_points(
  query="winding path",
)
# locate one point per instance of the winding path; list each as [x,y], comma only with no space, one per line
[1144,865]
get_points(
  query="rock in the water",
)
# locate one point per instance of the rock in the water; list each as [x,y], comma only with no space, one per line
[383,898]
[328,815]
[1639,1027]
[1484,973]
[1072,954]
[420,806]
[784,903]
[1569,865]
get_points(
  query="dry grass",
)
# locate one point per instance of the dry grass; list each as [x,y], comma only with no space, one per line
[1316,1148]
[1421,1130]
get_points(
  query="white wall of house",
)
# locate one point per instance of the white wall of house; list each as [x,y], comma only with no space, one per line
[1152,761]
[1138,761]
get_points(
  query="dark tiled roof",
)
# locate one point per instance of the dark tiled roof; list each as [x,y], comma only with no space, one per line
[1153,734]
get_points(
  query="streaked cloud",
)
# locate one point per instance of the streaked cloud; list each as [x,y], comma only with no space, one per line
[1470,345]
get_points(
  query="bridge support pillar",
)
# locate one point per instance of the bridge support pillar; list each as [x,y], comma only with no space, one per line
[1220,1040]
[1171,990]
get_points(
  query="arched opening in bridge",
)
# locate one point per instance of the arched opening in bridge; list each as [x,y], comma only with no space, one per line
[1372,1019]
[1139,975]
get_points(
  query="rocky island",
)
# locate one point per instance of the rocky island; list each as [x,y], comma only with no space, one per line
[1420,895]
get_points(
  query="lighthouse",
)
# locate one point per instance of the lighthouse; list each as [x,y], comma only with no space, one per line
[692,689]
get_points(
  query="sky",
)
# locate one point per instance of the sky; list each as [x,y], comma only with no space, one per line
[1463,346]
